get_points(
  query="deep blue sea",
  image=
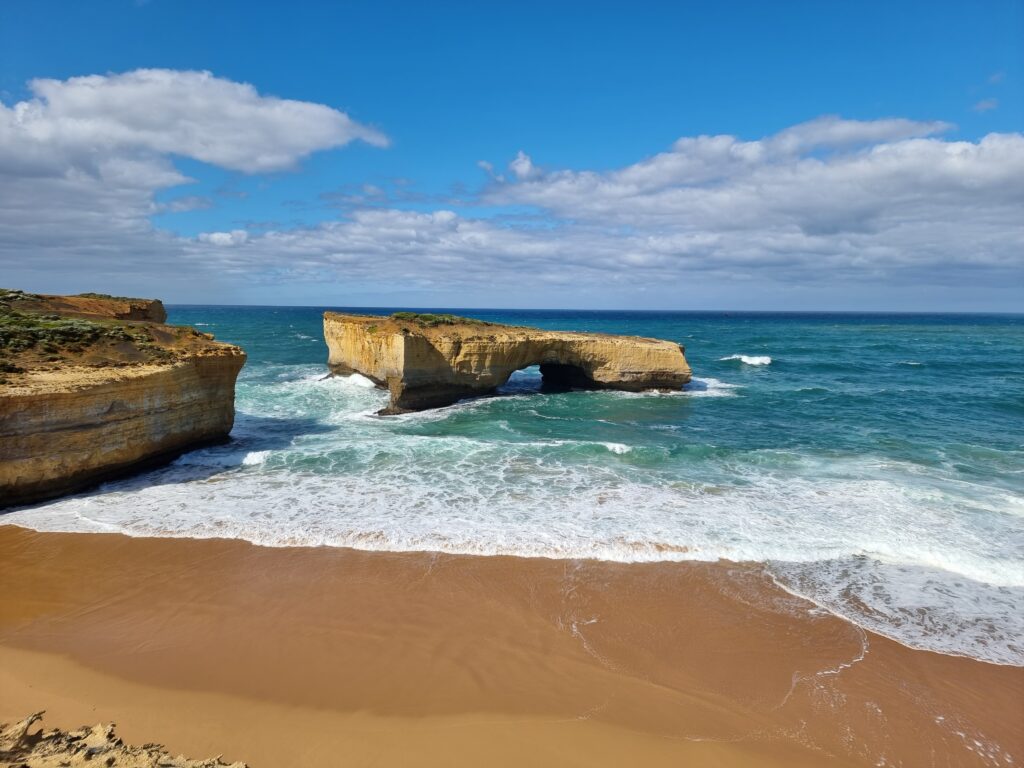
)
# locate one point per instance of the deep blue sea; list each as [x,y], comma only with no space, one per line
[874,463]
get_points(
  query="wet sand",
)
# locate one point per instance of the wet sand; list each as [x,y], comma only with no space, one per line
[326,657]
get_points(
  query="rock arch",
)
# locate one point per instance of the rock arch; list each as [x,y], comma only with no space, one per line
[427,365]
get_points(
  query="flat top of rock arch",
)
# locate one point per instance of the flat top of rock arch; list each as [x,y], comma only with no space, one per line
[445,326]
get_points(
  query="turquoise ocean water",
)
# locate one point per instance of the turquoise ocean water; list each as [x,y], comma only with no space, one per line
[872,463]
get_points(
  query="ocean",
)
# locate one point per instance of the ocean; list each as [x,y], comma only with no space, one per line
[873,463]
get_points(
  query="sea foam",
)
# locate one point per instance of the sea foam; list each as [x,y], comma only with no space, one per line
[386,484]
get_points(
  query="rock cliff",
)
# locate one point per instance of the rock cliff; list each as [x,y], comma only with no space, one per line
[427,361]
[92,387]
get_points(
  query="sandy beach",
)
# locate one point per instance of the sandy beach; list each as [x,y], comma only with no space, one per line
[319,657]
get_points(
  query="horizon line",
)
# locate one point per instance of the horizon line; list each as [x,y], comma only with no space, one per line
[643,311]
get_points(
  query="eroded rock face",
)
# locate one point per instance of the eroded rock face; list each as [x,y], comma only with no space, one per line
[427,364]
[97,745]
[86,396]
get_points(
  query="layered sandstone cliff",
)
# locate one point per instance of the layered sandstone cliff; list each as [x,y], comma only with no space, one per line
[92,387]
[427,361]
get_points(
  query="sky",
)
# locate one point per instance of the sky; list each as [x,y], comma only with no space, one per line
[641,155]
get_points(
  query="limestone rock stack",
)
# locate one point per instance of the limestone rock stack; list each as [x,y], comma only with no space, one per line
[428,361]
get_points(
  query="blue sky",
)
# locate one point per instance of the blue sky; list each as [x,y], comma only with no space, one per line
[590,92]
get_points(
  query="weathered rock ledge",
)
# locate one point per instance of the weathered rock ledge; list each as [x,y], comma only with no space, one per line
[428,361]
[87,395]
[87,746]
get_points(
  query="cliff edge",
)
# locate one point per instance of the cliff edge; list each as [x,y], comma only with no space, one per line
[427,361]
[95,386]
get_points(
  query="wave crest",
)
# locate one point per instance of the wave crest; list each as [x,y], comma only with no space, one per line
[749,359]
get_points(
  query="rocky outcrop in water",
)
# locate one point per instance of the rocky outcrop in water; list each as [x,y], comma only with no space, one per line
[427,361]
[92,387]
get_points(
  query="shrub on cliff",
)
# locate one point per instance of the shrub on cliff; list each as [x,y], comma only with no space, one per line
[428,320]
[20,331]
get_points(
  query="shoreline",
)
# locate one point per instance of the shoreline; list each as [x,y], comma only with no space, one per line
[596,561]
[435,658]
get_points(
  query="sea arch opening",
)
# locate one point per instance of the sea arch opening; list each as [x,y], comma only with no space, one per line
[547,376]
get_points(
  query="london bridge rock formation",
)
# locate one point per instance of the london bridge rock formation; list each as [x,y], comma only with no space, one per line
[95,386]
[427,361]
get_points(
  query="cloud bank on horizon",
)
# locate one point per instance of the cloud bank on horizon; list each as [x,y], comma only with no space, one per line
[891,202]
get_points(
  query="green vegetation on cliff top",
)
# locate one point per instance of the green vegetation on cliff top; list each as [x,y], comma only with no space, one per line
[23,330]
[428,320]
[32,334]
[109,297]
[12,294]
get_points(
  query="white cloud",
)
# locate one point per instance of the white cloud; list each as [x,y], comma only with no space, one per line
[834,132]
[986,105]
[522,166]
[234,237]
[170,112]
[81,161]
[829,203]
[820,203]
[783,188]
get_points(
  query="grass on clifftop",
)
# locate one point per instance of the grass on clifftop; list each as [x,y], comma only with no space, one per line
[12,294]
[20,331]
[32,335]
[428,320]
[27,340]
[42,332]
[108,297]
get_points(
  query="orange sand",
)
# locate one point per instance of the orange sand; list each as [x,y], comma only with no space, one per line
[325,657]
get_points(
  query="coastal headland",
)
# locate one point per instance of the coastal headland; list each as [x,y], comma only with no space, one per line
[428,360]
[321,657]
[95,386]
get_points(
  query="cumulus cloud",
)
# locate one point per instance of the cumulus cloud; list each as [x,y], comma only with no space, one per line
[169,112]
[81,160]
[827,202]
[234,237]
[522,166]
[828,194]
[834,132]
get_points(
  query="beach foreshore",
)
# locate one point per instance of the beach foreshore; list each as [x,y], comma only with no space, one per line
[333,657]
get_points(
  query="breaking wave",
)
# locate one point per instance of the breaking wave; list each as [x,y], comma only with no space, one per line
[749,359]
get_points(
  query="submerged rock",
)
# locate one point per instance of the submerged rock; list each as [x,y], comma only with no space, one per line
[427,361]
[93,386]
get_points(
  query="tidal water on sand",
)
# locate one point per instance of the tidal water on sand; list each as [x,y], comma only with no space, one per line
[873,463]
